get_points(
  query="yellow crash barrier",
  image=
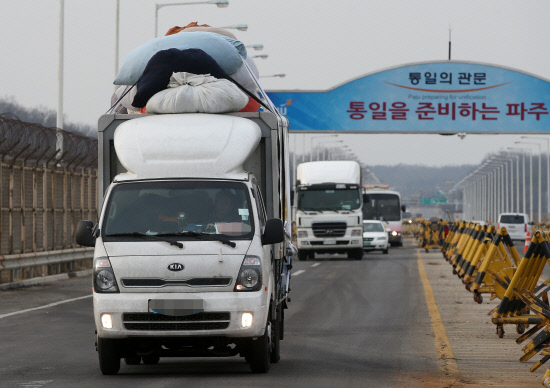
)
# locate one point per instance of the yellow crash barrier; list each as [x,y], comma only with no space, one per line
[511,308]
[499,262]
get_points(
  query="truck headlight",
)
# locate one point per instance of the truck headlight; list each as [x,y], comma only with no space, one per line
[302,233]
[246,320]
[104,277]
[107,321]
[250,274]
[356,232]
[394,233]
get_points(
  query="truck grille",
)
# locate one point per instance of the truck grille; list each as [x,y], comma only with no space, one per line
[329,229]
[159,322]
[195,282]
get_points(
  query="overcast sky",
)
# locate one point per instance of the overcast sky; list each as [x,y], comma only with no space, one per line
[317,44]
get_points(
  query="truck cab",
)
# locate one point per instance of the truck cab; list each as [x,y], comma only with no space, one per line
[329,209]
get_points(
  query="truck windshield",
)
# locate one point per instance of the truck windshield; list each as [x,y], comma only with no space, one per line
[333,199]
[183,209]
[382,207]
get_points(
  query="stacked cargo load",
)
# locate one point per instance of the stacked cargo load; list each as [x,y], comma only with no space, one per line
[192,69]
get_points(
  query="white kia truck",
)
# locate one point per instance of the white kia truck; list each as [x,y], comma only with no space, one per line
[329,216]
[192,248]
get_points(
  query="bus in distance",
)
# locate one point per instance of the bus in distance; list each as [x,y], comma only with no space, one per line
[380,203]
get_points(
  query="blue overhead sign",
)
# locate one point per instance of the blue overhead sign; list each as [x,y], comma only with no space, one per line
[428,97]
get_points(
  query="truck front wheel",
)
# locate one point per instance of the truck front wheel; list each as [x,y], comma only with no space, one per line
[303,255]
[109,356]
[260,352]
[356,254]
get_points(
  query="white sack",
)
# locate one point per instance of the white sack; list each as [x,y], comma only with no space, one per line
[202,93]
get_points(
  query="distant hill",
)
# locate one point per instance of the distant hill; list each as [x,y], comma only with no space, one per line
[420,181]
[43,116]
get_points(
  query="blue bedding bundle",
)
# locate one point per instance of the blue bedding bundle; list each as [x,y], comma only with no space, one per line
[227,52]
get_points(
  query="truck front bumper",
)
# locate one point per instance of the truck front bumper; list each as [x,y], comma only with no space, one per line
[336,244]
[131,315]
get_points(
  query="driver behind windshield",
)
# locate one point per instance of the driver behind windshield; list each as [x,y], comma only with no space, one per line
[225,208]
[205,217]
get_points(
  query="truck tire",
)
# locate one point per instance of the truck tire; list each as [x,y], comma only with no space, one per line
[151,360]
[356,254]
[260,352]
[303,255]
[109,356]
[275,355]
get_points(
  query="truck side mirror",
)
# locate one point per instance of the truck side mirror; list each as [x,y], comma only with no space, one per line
[403,208]
[274,232]
[84,233]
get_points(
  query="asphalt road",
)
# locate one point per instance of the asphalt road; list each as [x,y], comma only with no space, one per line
[350,323]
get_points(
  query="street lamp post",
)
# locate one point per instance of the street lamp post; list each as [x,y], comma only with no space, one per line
[311,144]
[256,46]
[523,174]
[539,174]
[280,75]
[117,24]
[240,27]
[547,170]
[324,142]
[516,157]
[496,178]
[530,182]
[219,3]
[59,124]
[506,187]
[344,148]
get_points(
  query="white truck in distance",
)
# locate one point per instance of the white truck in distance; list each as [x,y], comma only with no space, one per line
[329,215]
[192,257]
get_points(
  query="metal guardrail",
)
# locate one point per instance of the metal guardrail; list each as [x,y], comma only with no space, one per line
[26,260]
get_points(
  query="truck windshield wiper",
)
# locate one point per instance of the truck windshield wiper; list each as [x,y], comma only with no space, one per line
[203,236]
[334,209]
[146,236]
[309,209]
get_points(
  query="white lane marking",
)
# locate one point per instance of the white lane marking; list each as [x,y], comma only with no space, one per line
[46,306]
[298,272]
[35,384]
[315,265]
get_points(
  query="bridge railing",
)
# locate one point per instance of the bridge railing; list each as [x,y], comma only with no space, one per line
[44,192]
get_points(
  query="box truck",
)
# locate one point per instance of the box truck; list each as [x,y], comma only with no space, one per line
[192,247]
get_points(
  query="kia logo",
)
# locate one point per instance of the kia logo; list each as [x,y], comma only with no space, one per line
[175,267]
